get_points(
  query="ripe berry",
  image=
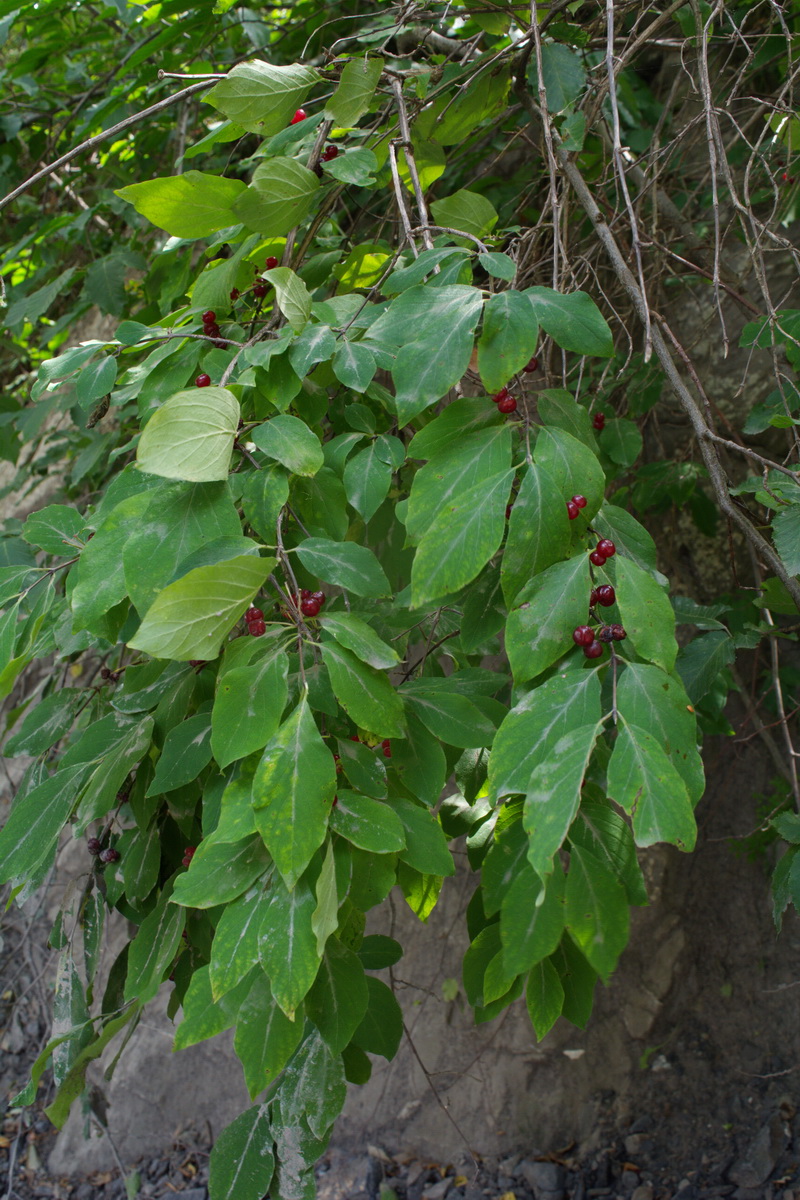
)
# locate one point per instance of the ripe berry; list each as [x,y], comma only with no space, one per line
[188,855]
[582,635]
[618,634]
[606,595]
[257,628]
[508,405]
[329,153]
[572,510]
[606,546]
[604,634]
[319,597]
[260,290]
[203,381]
[309,608]
[300,115]
[593,598]
[210,317]
[594,650]
[234,295]
[501,395]
[580,501]
[105,672]
[532,365]
[599,421]
[109,856]
[270,262]
[94,845]
[596,558]
[386,746]
[253,614]
[212,331]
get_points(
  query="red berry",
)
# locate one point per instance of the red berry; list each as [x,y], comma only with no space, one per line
[606,595]
[260,290]
[257,628]
[580,501]
[203,381]
[188,855]
[212,331]
[532,365]
[270,262]
[305,594]
[572,510]
[508,405]
[300,115]
[618,634]
[593,598]
[329,153]
[594,650]
[386,746]
[319,597]
[501,395]
[785,176]
[94,845]
[582,635]
[596,558]
[606,547]
[109,856]
[234,295]
[599,421]
[210,317]
[604,634]
[253,614]
[309,608]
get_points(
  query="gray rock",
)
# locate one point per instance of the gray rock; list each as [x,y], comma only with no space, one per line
[542,1176]
[84,1192]
[194,1194]
[643,1192]
[437,1191]
[630,1180]
[508,1166]
[758,1162]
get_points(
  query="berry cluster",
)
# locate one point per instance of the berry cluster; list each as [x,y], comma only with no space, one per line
[604,550]
[505,401]
[107,855]
[111,676]
[599,422]
[310,602]
[254,619]
[575,505]
[211,328]
[329,153]
[188,855]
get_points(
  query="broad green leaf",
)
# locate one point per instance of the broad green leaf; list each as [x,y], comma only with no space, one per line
[558,409]
[426,845]
[291,442]
[365,694]
[220,872]
[234,951]
[700,663]
[325,918]
[464,535]
[265,1038]
[354,365]
[645,783]
[505,860]
[287,943]
[499,266]
[70,1013]
[75,1083]
[55,529]
[554,793]
[261,97]
[631,539]
[203,1016]
[482,950]
[293,297]
[596,913]
[346,565]
[355,90]
[622,441]
[420,892]
[539,531]
[264,495]
[573,321]
[96,380]
[367,479]
[381,1029]
[508,339]
[141,863]
[786,535]
[367,823]
[466,462]
[363,767]
[604,833]
[191,436]
[248,707]
[374,876]
[646,613]
[242,1162]
[563,75]
[531,925]
[192,205]
[109,769]
[574,469]
[153,949]
[46,723]
[403,278]
[458,419]
[357,166]
[377,951]
[97,582]
[338,999]
[292,792]
[314,345]
[578,980]
[655,701]
[313,1088]
[190,618]
[468,211]
[355,634]
[186,751]
[544,997]
[281,195]
[419,761]
[454,719]
[539,629]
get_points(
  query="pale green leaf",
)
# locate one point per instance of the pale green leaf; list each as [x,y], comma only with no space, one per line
[191,436]
[192,205]
[261,97]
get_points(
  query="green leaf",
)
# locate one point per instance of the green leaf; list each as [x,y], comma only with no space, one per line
[426,845]
[357,166]
[346,565]
[604,833]
[356,88]
[355,634]
[75,1083]
[220,872]
[597,913]
[292,792]
[419,761]
[242,1162]
[190,618]
[262,97]
[141,863]
[645,783]
[153,949]
[508,339]
[32,828]
[539,531]
[191,436]
[248,707]
[314,345]
[499,266]
[466,210]
[96,381]
[70,1013]
[186,751]
[313,1089]
[563,75]
[464,535]
[382,1026]
[203,1016]
[354,365]
[573,468]
[234,951]
[281,195]
[192,205]
[363,767]
[338,999]
[264,495]
[365,694]
[293,297]
[46,723]
[631,539]
[110,766]
[367,479]
[622,441]
[544,997]
[265,1038]
[291,442]
[325,918]
[573,321]
[287,944]
[454,719]
[97,582]
[786,535]
[377,952]
[459,419]
[367,823]
[531,925]
[467,461]
[578,980]
[655,701]
[554,793]
[539,629]
[646,614]
[559,409]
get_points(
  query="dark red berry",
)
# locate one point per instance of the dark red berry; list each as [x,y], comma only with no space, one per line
[94,845]
[329,153]
[599,421]
[618,634]
[593,598]
[582,635]
[386,746]
[596,558]
[606,547]
[109,856]
[210,317]
[572,510]
[253,614]
[508,511]
[606,595]
[270,262]
[501,395]
[508,405]
[188,855]
[212,331]
[581,501]
[594,650]
[604,634]
[105,672]
[220,345]
[234,295]
[300,115]
[532,365]
[203,381]
[305,593]
[309,608]
[260,290]
[257,628]
[318,596]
